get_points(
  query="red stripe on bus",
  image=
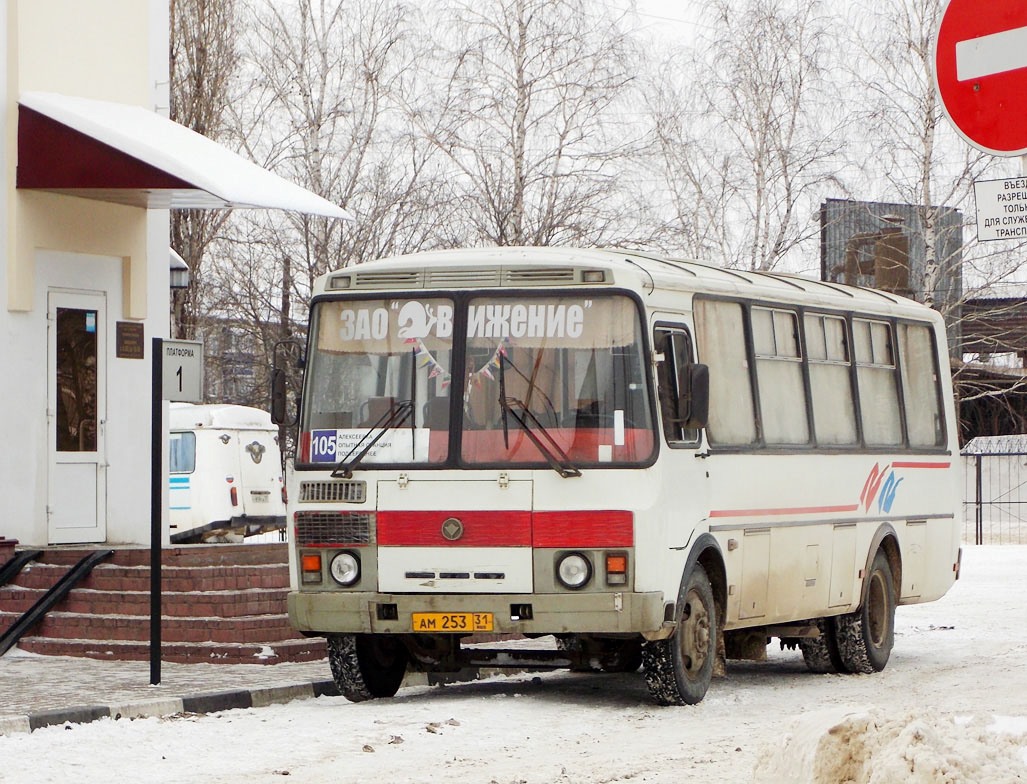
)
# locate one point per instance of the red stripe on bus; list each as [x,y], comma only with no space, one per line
[921,465]
[480,529]
[577,529]
[605,528]
[795,510]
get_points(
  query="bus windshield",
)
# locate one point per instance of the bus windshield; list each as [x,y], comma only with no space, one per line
[545,380]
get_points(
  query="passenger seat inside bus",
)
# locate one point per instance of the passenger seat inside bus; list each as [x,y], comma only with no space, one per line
[375,409]
[436,414]
[585,415]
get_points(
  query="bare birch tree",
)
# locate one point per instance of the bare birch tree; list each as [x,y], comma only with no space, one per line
[747,131]
[319,102]
[529,111]
[913,155]
[910,156]
[323,108]
[203,60]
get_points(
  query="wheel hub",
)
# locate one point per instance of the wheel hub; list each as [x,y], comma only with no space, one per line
[695,633]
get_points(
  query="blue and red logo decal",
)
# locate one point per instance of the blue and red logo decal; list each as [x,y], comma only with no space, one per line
[881,485]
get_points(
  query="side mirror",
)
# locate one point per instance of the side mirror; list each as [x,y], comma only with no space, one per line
[694,403]
[287,359]
[279,399]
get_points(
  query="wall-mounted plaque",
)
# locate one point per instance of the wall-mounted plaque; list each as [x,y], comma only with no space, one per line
[129,340]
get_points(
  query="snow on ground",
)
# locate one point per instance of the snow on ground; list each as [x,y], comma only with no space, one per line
[950,707]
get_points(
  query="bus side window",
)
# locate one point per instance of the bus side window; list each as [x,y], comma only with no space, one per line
[674,345]
[925,423]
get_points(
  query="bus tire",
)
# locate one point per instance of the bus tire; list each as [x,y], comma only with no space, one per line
[865,637]
[821,653]
[366,666]
[678,670]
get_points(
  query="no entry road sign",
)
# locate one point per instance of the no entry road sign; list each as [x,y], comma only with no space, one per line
[980,69]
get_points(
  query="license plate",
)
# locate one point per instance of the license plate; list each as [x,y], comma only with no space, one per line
[260,498]
[451,622]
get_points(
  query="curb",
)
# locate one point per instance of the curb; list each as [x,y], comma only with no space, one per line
[208,702]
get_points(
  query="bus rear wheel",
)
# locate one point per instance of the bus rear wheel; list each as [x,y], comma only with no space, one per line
[366,666]
[678,670]
[821,653]
[865,637]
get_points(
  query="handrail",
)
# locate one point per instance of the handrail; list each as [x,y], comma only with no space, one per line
[13,566]
[62,588]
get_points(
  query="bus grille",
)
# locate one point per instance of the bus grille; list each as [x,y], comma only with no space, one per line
[333,492]
[334,528]
[467,277]
[539,276]
[471,277]
[387,279]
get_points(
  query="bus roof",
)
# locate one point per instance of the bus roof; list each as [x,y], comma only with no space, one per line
[527,267]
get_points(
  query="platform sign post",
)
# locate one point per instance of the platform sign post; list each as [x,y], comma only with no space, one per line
[177,375]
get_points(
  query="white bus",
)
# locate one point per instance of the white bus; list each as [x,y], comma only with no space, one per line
[660,463]
[225,480]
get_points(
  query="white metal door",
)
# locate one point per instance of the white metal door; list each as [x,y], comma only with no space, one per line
[76,417]
[259,470]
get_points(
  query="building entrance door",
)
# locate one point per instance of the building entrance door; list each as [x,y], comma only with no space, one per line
[76,416]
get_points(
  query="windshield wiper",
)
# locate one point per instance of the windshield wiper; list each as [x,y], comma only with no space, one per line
[558,460]
[502,398]
[398,413]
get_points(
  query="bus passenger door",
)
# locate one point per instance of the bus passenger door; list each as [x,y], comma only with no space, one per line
[685,476]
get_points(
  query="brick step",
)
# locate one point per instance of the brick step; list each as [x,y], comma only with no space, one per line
[134,627]
[220,603]
[107,577]
[224,604]
[62,625]
[296,650]
[245,629]
[185,555]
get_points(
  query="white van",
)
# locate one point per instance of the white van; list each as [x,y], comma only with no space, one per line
[225,474]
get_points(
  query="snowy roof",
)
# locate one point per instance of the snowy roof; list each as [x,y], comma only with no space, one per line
[144,159]
[177,262]
[1003,445]
[1009,290]
[218,415]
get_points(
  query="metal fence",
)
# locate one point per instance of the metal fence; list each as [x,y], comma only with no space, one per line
[995,505]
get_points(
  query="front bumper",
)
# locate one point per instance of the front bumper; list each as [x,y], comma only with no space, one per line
[359,612]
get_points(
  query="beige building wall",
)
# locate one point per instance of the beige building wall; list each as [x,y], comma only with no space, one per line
[102,50]
[113,50]
[89,48]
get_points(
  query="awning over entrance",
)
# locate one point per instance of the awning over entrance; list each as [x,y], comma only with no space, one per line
[128,155]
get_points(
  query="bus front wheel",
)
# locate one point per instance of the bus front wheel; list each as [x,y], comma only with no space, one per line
[678,670]
[865,637]
[366,666]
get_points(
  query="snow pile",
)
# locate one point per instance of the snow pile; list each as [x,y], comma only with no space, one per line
[868,747]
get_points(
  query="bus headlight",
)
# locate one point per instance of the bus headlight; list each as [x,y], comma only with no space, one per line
[574,571]
[345,569]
